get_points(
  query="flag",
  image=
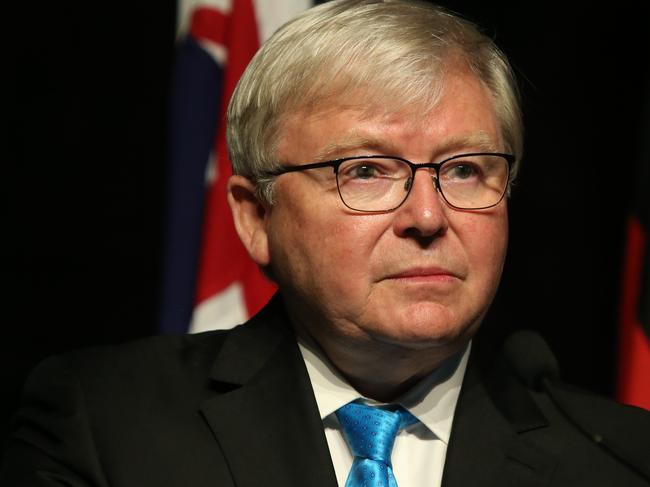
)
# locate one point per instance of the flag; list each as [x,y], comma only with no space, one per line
[634,338]
[208,279]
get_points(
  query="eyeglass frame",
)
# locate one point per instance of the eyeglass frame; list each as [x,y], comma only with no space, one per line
[335,164]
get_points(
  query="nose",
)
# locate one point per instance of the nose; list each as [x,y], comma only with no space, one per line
[423,214]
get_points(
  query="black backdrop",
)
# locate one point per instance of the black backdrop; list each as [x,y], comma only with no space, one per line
[83,154]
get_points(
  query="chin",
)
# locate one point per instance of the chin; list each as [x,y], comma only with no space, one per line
[432,339]
[431,326]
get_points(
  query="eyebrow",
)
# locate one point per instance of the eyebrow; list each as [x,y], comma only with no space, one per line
[479,141]
[354,141]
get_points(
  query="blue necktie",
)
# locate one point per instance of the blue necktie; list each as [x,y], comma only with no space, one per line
[370,433]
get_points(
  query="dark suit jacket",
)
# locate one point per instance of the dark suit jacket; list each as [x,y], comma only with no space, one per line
[236,408]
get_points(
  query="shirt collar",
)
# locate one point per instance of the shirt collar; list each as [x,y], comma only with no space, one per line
[432,400]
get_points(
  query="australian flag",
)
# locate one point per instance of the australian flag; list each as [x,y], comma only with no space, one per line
[209,281]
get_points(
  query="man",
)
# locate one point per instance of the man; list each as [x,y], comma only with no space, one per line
[373,146]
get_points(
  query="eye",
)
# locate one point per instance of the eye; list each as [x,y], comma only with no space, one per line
[461,171]
[364,171]
[380,172]
[367,169]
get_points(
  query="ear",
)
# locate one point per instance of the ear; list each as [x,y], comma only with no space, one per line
[250,216]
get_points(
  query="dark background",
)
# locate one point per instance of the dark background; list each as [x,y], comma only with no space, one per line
[83,164]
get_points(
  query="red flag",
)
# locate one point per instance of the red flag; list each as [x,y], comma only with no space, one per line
[634,339]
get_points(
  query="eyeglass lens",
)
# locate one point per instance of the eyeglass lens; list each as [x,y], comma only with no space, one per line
[466,182]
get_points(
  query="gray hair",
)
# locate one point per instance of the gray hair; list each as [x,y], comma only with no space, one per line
[375,53]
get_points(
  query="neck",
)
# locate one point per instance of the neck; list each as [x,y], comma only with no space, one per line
[376,367]
[385,375]
[380,371]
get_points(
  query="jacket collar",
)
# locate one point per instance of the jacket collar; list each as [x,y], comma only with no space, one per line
[264,414]
[494,415]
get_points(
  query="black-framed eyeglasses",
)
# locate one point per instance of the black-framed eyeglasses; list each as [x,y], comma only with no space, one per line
[474,181]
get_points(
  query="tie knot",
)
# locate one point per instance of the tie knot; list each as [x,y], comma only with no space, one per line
[371,431]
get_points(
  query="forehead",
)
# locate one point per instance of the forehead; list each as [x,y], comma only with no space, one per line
[462,116]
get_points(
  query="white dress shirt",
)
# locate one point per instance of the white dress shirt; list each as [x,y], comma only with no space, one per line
[419,452]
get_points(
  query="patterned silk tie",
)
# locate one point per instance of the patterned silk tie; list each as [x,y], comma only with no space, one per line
[370,433]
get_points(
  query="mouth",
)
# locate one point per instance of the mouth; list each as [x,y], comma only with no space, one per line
[424,275]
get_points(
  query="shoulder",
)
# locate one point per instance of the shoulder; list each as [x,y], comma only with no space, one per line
[524,366]
[164,371]
[157,365]
[118,388]
[134,361]
[618,430]
[81,409]
[585,439]
[136,411]
[594,409]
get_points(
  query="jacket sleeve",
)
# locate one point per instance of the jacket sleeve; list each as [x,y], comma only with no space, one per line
[50,442]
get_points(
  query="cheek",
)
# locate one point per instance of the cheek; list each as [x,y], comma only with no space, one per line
[352,239]
[343,245]
[485,241]
[313,246]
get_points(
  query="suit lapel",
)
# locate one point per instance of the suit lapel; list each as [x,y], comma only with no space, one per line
[264,414]
[488,445]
